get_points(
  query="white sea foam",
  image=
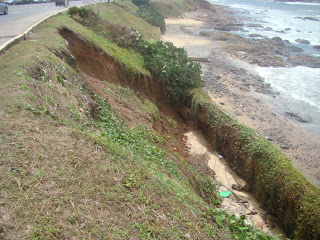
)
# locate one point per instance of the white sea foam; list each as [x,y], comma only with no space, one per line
[299,83]
[299,87]
[280,16]
[302,3]
[298,93]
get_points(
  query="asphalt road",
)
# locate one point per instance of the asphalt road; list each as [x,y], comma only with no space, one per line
[21,17]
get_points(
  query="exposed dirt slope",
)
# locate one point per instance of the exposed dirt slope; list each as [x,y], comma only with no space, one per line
[85,156]
[71,168]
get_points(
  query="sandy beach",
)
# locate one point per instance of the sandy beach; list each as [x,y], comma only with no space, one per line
[232,84]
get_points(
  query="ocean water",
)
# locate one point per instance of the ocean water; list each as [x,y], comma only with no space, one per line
[298,87]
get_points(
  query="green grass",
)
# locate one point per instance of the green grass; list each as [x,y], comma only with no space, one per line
[129,59]
[119,16]
[136,100]
[67,175]
[128,7]
[173,8]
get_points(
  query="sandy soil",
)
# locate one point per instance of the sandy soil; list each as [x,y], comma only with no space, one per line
[241,93]
[239,202]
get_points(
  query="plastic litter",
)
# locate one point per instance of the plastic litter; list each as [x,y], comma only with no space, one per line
[225,194]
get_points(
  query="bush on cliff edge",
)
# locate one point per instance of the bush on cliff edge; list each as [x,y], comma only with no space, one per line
[172,66]
[152,16]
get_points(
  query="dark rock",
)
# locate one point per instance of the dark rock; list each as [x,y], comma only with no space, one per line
[238,113]
[285,146]
[207,34]
[296,117]
[268,29]
[267,61]
[227,28]
[223,36]
[222,103]
[287,29]
[316,47]
[277,39]
[310,18]
[302,41]
[269,138]
[94,110]
[15,169]
[237,187]
[304,60]
[294,49]
[199,59]
[254,25]
[254,35]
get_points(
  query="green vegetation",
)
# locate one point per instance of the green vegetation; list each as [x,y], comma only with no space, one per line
[136,99]
[72,167]
[152,16]
[138,3]
[82,13]
[131,61]
[128,7]
[166,62]
[275,182]
[172,66]
[174,8]
[74,176]
[117,15]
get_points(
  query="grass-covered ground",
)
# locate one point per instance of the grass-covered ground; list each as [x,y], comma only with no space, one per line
[68,172]
[79,157]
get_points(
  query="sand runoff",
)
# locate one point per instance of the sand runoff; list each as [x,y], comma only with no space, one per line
[239,202]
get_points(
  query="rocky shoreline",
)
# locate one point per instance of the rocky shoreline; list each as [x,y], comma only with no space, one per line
[205,34]
[259,50]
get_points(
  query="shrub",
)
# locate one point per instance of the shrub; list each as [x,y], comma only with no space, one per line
[172,66]
[169,65]
[81,14]
[140,2]
[150,15]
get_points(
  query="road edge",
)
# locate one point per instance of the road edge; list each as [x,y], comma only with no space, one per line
[24,36]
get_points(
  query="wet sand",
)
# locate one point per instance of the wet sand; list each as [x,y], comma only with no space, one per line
[232,84]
